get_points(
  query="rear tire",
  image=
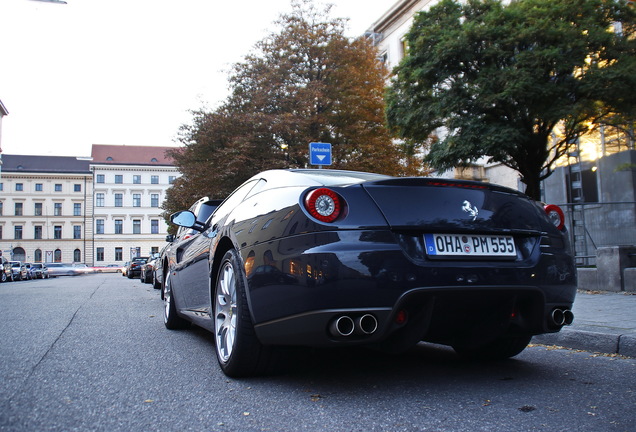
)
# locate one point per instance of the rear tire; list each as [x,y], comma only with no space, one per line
[238,350]
[501,348]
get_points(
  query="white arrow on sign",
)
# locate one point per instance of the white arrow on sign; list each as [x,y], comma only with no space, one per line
[320,157]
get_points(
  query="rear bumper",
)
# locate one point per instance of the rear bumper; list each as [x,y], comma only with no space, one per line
[299,286]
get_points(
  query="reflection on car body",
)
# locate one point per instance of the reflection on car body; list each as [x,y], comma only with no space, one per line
[326,258]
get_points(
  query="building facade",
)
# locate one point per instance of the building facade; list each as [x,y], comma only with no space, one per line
[99,210]
[46,209]
[130,186]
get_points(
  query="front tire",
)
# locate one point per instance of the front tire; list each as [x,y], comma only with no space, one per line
[238,350]
[171,319]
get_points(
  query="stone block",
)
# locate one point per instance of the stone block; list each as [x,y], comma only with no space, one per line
[610,262]
[629,279]
[587,279]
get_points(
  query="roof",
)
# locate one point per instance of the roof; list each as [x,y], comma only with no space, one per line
[131,155]
[45,164]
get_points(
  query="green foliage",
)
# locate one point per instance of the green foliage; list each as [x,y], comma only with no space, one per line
[498,79]
[304,83]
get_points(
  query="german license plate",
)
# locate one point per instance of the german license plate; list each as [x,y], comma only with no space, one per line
[470,245]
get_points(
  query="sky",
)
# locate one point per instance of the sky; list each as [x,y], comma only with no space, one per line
[128,72]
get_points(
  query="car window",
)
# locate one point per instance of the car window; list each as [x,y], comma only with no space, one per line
[235,199]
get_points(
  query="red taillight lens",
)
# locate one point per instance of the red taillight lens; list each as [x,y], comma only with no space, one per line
[556,216]
[324,204]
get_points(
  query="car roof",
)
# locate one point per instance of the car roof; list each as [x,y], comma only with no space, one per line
[317,177]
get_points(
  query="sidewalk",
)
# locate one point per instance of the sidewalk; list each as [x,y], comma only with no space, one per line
[603,322]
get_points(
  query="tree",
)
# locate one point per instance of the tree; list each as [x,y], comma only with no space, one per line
[496,80]
[305,83]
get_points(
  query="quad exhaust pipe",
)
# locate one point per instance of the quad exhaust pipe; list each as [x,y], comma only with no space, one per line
[344,326]
[561,317]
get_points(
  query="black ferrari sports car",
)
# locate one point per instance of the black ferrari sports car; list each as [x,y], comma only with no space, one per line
[322,258]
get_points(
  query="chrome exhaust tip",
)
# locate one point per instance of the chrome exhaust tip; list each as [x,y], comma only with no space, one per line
[342,326]
[367,324]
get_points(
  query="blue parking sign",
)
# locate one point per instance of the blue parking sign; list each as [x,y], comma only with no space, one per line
[319,153]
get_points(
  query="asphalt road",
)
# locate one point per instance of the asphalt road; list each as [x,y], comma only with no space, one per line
[91,353]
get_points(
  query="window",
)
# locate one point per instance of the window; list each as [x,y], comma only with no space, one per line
[37,232]
[37,256]
[136,200]
[154,226]
[100,254]
[77,232]
[154,200]
[154,250]
[119,179]
[99,200]
[77,188]
[171,179]
[38,187]
[57,232]
[77,209]
[154,179]
[119,226]
[19,187]
[1,208]
[99,226]
[57,255]
[18,209]
[17,232]
[0,231]
[57,209]
[119,254]
[100,178]
[137,179]
[37,209]
[119,200]
[58,187]
[1,187]
[136,226]
[77,255]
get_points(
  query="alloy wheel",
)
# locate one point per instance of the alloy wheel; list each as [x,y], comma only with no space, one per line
[225,312]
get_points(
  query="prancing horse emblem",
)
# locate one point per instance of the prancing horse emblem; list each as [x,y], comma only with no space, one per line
[470,209]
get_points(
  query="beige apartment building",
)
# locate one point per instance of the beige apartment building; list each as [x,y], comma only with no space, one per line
[130,184]
[46,209]
[97,210]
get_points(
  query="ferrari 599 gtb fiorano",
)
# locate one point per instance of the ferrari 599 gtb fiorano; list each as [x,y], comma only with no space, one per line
[324,258]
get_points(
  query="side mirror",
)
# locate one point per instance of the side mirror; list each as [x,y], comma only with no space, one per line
[183,218]
[170,238]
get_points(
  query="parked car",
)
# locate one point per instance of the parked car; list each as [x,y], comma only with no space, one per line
[148,269]
[16,271]
[30,270]
[4,264]
[62,269]
[134,268]
[110,268]
[39,271]
[366,259]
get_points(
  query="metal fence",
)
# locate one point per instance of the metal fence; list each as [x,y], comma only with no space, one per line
[594,225]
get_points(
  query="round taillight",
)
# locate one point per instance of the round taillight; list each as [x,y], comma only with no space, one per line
[556,216]
[323,204]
